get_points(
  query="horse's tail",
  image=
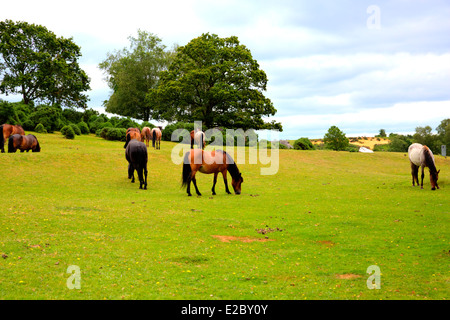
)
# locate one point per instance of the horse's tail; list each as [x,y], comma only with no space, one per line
[202,140]
[186,170]
[37,148]
[11,145]
[127,140]
[2,140]
[153,139]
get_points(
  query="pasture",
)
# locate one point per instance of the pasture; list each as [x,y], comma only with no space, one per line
[309,232]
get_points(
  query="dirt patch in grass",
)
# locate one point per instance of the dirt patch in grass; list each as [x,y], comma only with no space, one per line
[326,243]
[241,239]
[348,276]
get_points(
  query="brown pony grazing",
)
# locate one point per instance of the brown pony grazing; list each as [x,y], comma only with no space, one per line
[132,133]
[146,134]
[210,162]
[156,138]
[421,156]
[7,130]
[23,143]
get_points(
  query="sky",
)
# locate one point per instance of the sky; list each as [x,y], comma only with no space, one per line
[359,65]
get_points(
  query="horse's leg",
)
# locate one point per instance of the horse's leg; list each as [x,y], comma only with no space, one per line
[195,185]
[414,173]
[423,175]
[214,184]
[141,177]
[224,173]
[145,176]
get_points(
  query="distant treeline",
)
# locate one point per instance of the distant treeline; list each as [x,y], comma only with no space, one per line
[423,135]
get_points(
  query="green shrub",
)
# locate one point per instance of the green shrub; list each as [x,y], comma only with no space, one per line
[83,127]
[68,132]
[29,125]
[352,148]
[75,129]
[118,134]
[303,144]
[40,128]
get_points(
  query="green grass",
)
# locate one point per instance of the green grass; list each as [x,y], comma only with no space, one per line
[329,216]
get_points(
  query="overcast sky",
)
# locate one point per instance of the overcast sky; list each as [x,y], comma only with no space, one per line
[359,65]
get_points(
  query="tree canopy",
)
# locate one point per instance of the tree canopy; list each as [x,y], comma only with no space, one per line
[216,81]
[40,66]
[132,72]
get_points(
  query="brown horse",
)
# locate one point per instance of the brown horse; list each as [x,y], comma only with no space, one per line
[421,156]
[156,138]
[23,143]
[132,133]
[146,134]
[7,130]
[210,162]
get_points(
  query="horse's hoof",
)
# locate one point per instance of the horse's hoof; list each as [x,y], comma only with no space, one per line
[189,195]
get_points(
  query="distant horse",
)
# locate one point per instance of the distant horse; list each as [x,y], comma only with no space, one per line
[23,143]
[7,130]
[156,138]
[132,133]
[198,137]
[146,134]
[210,162]
[421,156]
[137,157]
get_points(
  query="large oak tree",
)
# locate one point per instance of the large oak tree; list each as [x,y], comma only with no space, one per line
[216,81]
[40,66]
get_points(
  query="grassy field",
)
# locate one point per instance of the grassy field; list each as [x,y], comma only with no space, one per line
[309,232]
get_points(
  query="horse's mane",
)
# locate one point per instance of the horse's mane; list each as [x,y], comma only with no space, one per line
[429,160]
[232,167]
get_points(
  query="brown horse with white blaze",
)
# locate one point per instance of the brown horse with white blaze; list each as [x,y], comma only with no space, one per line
[23,143]
[421,156]
[7,130]
[214,162]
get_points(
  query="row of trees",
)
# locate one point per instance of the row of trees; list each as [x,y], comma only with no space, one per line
[211,79]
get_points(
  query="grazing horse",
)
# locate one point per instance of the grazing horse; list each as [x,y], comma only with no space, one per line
[7,130]
[210,162]
[132,133]
[146,134]
[198,137]
[137,157]
[156,138]
[421,156]
[23,143]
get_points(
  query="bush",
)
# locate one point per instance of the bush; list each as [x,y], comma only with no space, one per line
[83,127]
[40,128]
[68,132]
[303,144]
[118,134]
[75,128]
[50,117]
[29,125]
[335,139]
[352,148]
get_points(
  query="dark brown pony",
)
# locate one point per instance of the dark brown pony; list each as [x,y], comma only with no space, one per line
[422,156]
[146,134]
[137,157]
[7,130]
[132,133]
[210,162]
[23,143]
[156,138]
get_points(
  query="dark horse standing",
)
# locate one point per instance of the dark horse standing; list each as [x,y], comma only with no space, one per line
[7,130]
[137,157]
[210,162]
[23,143]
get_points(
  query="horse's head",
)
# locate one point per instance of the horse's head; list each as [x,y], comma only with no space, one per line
[434,179]
[236,183]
